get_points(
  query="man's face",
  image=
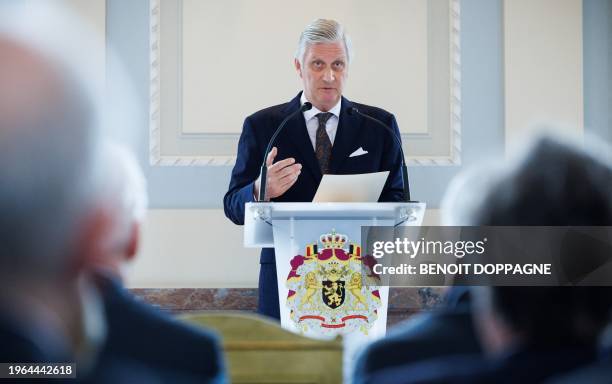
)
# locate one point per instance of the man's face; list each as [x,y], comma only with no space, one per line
[323,71]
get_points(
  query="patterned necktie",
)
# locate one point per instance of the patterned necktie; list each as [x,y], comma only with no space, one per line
[323,145]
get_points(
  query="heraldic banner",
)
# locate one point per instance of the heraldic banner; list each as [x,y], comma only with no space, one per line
[326,284]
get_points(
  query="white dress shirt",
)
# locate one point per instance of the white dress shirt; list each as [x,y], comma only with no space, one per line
[312,123]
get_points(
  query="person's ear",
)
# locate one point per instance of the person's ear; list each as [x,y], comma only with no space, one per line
[133,242]
[298,67]
[91,239]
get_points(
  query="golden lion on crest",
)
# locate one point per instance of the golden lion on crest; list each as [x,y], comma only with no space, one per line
[334,290]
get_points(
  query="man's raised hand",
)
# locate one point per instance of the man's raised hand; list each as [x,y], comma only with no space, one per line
[281,175]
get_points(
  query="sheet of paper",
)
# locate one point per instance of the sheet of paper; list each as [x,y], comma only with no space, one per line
[360,188]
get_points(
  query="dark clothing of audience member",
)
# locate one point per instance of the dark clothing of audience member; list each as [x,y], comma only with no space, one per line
[515,367]
[25,347]
[600,373]
[175,352]
[18,344]
[448,330]
[556,341]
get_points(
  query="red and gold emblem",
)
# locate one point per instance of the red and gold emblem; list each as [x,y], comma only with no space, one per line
[332,288]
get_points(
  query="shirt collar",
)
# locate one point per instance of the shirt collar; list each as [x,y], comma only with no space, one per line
[314,110]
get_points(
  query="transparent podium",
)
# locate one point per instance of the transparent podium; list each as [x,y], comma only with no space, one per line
[326,283]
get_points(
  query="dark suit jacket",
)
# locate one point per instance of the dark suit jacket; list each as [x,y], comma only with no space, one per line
[353,132]
[170,350]
[21,345]
[448,330]
[597,373]
[523,366]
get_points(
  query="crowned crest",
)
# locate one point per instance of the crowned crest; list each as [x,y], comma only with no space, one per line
[332,288]
[333,241]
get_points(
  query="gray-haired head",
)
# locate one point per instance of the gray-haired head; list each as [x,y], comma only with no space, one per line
[323,31]
[123,191]
[49,126]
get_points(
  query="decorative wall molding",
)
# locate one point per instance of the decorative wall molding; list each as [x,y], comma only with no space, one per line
[455,68]
[159,157]
[155,156]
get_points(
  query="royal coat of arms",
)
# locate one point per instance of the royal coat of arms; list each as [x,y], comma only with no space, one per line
[332,288]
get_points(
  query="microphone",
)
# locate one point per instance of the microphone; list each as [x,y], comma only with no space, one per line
[354,111]
[264,167]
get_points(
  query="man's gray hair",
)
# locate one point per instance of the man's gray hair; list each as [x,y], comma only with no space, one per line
[123,190]
[323,31]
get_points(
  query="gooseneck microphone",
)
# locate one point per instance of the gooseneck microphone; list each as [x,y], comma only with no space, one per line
[354,111]
[264,167]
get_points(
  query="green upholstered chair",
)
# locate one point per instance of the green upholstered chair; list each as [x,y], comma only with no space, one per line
[260,351]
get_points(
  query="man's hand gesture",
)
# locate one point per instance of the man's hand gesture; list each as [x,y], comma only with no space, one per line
[281,175]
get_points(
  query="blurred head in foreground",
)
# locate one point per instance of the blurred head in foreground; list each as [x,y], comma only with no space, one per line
[52,221]
[554,182]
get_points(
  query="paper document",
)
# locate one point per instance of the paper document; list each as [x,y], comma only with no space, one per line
[360,188]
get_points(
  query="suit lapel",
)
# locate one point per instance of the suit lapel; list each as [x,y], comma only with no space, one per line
[347,135]
[298,136]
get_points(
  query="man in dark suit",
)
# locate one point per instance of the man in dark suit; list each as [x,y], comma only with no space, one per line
[172,351]
[325,139]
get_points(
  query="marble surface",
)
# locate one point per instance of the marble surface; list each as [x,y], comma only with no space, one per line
[403,302]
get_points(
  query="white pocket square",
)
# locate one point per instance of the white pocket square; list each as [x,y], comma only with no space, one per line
[358,152]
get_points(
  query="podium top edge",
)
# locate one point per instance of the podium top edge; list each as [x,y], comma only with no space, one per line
[281,205]
[353,208]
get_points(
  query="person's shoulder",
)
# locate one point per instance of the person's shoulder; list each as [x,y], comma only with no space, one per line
[123,307]
[449,369]
[429,335]
[600,372]
[179,330]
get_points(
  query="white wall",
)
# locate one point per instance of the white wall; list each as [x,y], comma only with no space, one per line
[193,248]
[92,11]
[249,36]
[542,64]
